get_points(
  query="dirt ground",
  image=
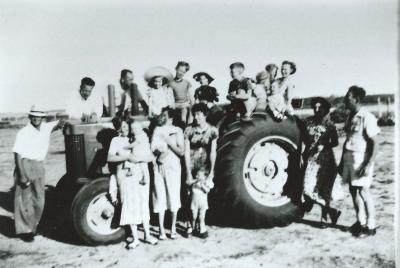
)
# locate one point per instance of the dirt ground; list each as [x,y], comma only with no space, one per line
[300,244]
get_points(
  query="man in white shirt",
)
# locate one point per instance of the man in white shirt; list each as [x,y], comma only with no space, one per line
[357,164]
[30,149]
[83,104]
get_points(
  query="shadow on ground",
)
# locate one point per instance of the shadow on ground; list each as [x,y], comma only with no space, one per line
[50,226]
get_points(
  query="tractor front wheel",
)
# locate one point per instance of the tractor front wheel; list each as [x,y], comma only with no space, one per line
[93,215]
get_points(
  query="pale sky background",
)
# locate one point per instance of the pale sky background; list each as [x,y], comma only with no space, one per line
[46,47]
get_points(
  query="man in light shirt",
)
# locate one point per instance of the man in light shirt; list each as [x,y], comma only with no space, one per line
[128,96]
[30,149]
[357,164]
[83,104]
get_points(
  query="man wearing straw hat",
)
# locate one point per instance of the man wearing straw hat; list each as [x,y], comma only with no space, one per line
[30,149]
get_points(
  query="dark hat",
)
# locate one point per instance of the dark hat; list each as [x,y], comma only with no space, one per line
[325,103]
[198,75]
[236,64]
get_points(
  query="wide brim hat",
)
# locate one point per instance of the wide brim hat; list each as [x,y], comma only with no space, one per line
[158,71]
[324,102]
[198,75]
[37,111]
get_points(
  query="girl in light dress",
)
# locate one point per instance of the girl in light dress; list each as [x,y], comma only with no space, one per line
[159,95]
[132,153]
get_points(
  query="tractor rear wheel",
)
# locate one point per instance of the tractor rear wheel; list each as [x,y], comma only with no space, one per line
[258,182]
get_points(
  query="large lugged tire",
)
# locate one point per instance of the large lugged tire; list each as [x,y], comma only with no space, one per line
[257,178]
[93,214]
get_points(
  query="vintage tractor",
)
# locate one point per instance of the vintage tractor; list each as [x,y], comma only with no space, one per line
[257,180]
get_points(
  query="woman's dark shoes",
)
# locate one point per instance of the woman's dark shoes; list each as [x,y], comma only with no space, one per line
[335,216]
[189,232]
[355,228]
[203,235]
[366,232]
[28,237]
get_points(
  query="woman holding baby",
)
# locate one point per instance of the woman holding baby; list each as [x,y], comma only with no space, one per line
[130,151]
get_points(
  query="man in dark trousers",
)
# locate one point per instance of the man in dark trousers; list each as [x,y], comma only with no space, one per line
[30,149]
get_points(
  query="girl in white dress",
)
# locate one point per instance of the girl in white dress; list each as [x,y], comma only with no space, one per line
[168,145]
[132,183]
[159,96]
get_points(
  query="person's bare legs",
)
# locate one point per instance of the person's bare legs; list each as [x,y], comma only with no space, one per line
[174,215]
[135,242]
[189,118]
[368,202]
[358,205]
[161,225]
[184,114]
[202,221]
[147,236]
[194,219]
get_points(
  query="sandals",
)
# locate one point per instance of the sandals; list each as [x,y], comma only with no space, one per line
[174,235]
[162,237]
[151,240]
[189,232]
[132,245]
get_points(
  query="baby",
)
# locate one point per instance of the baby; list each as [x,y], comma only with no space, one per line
[277,102]
[141,153]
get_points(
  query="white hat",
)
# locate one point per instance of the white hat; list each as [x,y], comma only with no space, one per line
[157,71]
[37,111]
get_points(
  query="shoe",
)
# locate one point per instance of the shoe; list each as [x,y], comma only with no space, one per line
[174,235]
[28,237]
[367,232]
[151,240]
[335,216]
[356,227]
[162,237]
[189,232]
[203,235]
[359,231]
[307,205]
[132,245]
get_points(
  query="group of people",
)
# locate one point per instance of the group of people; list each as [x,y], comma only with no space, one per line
[246,95]
[170,148]
[133,154]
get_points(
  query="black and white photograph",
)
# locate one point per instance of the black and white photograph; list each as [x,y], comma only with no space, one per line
[231,133]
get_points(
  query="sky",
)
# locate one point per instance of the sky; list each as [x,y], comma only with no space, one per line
[46,47]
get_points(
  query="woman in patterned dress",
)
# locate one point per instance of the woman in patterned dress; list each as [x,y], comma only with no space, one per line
[319,137]
[200,156]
